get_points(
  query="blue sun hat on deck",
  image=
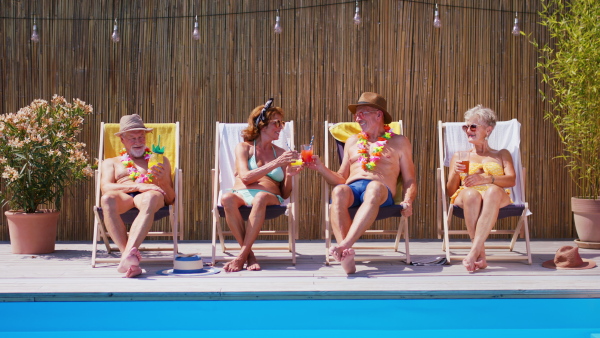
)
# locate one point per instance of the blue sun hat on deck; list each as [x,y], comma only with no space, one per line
[189,265]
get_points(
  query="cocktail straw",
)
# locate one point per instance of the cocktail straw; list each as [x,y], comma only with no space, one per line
[286,140]
[311,140]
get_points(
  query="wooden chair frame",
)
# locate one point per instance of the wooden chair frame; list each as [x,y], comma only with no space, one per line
[273,211]
[174,211]
[383,214]
[445,212]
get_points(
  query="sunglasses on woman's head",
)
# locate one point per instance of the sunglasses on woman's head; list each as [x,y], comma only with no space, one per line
[472,127]
[278,123]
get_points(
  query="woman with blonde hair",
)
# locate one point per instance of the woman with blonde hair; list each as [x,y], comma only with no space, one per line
[263,177]
[482,191]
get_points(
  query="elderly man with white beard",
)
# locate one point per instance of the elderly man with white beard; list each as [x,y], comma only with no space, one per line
[127,182]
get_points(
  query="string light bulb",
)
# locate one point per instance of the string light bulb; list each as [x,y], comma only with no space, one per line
[277,29]
[516,31]
[115,34]
[196,33]
[357,18]
[35,37]
[437,23]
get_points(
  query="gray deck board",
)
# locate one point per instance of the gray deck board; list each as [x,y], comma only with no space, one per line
[67,275]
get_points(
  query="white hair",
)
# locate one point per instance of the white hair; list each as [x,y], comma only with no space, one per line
[483,114]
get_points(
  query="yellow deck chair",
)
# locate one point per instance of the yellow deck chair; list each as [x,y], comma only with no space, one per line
[506,135]
[110,145]
[340,133]
[228,135]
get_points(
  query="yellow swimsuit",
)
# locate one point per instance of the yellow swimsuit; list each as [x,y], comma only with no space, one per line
[490,168]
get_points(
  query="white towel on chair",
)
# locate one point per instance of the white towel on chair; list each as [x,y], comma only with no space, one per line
[506,135]
[230,136]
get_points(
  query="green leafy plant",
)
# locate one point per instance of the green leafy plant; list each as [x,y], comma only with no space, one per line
[39,153]
[570,66]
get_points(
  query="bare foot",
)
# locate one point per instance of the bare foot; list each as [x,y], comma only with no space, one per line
[348,261]
[481,263]
[133,271]
[469,263]
[252,263]
[235,265]
[132,258]
[336,252]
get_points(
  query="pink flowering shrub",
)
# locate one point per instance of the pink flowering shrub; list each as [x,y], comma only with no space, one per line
[39,153]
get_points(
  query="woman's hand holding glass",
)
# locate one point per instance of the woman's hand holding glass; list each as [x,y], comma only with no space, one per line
[287,157]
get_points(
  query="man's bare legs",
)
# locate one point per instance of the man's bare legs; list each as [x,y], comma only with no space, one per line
[246,236]
[348,231]
[341,200]
[481,214]
[116,203]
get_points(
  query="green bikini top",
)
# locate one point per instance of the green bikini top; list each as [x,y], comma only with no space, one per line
[276,174]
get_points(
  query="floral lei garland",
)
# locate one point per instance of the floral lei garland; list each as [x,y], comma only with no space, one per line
[368,161]
[134,174]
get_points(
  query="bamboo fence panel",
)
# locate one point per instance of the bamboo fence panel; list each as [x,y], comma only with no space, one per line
[318,65]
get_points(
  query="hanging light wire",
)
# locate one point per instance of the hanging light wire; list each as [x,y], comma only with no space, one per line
[341,2]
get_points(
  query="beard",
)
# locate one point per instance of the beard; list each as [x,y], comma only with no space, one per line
[137,152]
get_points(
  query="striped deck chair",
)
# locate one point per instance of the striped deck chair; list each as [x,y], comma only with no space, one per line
[506,135]
[228,135]
[110,146]
[340,133]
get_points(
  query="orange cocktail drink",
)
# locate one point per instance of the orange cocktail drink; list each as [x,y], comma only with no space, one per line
[307,153]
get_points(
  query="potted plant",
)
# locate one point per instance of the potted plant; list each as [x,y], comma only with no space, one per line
[571,69]
[39,157]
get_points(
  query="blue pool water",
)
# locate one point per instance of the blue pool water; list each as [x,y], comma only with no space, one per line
[417,318]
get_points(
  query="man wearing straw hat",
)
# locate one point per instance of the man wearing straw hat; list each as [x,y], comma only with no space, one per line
[373,160]
[127,182]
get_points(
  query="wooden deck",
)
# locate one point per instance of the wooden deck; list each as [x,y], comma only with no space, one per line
[67,275]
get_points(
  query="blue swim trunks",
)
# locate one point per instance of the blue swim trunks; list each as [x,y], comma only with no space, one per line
[358,189]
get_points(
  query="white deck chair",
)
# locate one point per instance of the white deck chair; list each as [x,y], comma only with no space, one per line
[109,147]
[384,212]
[506,135]
[228,135]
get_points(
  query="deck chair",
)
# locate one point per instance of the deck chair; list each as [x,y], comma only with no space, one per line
[110,146]
[228,135]
[340,133]
[506,135]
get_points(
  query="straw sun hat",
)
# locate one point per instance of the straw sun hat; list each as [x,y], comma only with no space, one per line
[372,100]
[567,258]
[131,123]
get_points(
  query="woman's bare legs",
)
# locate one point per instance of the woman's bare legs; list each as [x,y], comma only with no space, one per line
[246,236]
[481,214]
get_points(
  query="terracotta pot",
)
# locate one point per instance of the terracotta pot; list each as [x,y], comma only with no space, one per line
[32,233]
[586,214]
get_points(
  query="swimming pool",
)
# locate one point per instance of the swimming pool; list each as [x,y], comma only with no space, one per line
[418,318]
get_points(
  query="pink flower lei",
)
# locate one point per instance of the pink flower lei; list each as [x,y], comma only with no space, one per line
[134,174]
[369,161]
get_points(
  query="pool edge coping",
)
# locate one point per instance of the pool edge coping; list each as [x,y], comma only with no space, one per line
[294,295]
